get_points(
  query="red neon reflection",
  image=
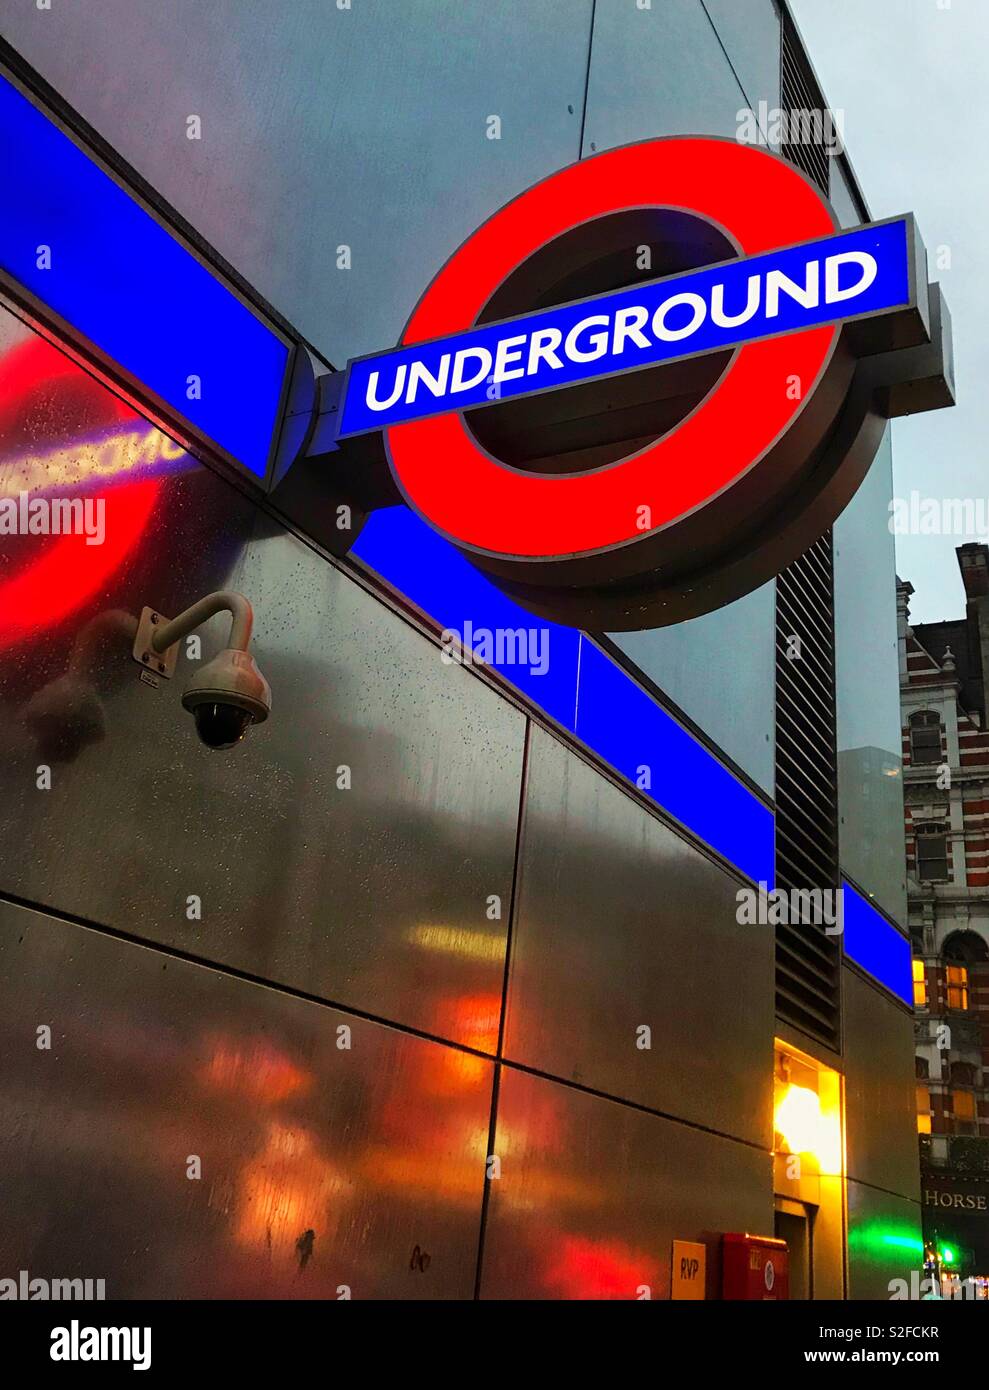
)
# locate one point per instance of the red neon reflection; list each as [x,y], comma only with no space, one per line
[68,572]
[28,371]
[582,1268]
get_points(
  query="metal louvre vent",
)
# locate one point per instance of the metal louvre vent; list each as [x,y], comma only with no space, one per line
[807,960]
[800,93]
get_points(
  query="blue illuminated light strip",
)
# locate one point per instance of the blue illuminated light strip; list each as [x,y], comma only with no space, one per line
[626,727]
[582,689]
[433,575]
[117,277]
[875,944]
[633,328]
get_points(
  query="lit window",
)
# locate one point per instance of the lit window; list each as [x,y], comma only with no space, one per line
[932,852]
[925,738]
[919,985]
[923,1110]
[963,1106]
[957,987]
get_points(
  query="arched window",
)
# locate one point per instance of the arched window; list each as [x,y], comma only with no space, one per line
[965,947]
[962,951]
[957,986]
[925,737]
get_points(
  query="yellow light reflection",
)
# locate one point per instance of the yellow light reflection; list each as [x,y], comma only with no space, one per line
[805,1129]
[798,1119]
[289,1186]
[458,941]
[112,456]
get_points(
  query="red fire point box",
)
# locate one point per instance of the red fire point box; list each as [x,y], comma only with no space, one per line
[754,1267]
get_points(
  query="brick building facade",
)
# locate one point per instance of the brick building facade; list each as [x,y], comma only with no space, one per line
[943,669]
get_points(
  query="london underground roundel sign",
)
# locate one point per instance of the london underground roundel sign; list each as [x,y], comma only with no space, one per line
[649,382]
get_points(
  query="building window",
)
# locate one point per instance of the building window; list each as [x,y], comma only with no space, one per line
[919,987]
[923,1108]
[962,1074]
[963,1107]
[922,1068]
[957,986]
[925,738]
[931,839]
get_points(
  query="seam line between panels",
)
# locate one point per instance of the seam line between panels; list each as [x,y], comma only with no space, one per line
[587,80]
[233,972]
[721,45]
[887,1191]
[636,1105]
[408,1030]
[496,1084]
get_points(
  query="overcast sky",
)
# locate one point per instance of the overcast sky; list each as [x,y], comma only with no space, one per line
[912,77]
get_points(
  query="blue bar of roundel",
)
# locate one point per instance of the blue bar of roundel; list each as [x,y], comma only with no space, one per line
[887,242]
[131,288]
[629,730]
[875,944]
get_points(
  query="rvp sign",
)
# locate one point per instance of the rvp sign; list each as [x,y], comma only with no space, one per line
[689,1271]
[646,384]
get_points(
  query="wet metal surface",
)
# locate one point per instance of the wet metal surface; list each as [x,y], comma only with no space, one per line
[328,1160]
[884,1241]
[621,927]
[351,847]
[880,1091]
[592,1194]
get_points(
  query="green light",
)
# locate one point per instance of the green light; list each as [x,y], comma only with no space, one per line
[910,1243]
[874,1239]
[948,1255]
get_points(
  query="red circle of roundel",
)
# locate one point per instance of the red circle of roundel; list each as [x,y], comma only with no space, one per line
[67,572]
[763,203]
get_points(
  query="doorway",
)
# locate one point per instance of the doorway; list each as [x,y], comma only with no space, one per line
[794,1223]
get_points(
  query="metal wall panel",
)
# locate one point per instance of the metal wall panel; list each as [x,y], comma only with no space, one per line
[591,1194]
[364,127]
[657,71]
[867,692]
[750,33]
[884,1242]
[621,924]
[321,1166]
[374,896]
[880,1101]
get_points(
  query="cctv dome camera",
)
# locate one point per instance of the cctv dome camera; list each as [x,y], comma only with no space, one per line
[226,697]
[229,694]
